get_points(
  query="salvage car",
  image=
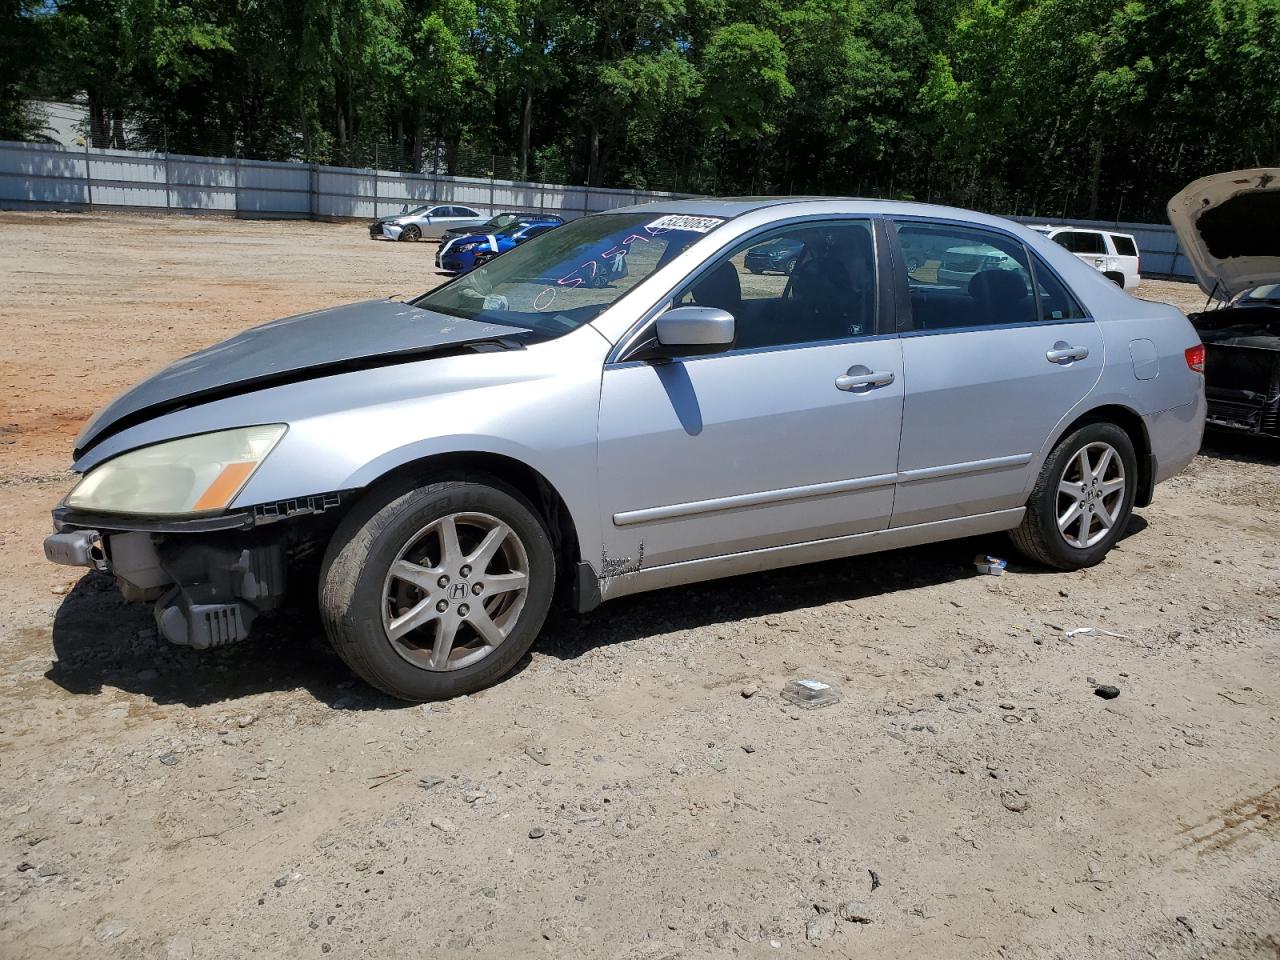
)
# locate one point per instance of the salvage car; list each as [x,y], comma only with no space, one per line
[452,463]
[1113,254]
[1229,227]
[466,252]
[425,222]
[776,257]
[501,221]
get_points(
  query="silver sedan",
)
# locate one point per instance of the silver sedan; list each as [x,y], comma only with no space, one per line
[429,221]
[622,406]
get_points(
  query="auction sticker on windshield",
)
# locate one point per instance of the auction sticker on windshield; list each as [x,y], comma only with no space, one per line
[676,221]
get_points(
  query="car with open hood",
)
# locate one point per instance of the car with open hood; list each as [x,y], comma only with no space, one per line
[1229,227]
[621,406]
[430,221]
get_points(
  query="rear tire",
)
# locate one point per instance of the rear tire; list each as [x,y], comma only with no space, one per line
[423,613]
[1082,500]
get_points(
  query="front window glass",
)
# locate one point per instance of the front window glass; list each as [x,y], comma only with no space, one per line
[821,288]
[568,277]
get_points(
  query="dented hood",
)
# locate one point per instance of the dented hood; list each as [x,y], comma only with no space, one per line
[310,345]
[1229,228]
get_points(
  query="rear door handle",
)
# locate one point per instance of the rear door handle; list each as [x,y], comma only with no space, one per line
[1064,352]
[858,377]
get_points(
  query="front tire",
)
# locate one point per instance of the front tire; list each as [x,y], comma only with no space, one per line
[438,591]
[411,232]
[1082,500]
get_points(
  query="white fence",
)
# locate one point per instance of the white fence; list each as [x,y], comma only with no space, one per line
[42,176]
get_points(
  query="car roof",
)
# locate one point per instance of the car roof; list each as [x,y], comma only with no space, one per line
[730,207]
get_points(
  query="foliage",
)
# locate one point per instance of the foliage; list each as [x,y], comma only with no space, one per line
[1058,107]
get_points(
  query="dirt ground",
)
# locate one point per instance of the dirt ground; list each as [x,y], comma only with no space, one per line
[620,796]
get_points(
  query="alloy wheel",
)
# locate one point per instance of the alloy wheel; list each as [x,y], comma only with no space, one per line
[1091,494]
[455,591]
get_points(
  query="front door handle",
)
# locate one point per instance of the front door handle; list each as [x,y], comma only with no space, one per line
[860,377]
[1064,352]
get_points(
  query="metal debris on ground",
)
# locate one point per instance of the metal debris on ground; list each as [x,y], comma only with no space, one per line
[538,755]
[1092,632]
[991,566]
[810,693]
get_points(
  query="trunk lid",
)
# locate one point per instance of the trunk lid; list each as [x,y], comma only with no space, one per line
[1229,227]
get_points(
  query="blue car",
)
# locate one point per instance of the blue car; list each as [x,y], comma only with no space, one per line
[468,252]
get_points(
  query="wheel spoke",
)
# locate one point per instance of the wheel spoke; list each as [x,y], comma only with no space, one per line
[1104,517]
[424,578]
[422,613]
[1069,488]
[489,631]
[1104,461]
[1072,514]
[483,554]
[450,550]
[1108,487]
[505,582]
[1082,464]
[444,643]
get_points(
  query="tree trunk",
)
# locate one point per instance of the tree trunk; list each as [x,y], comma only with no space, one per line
[418,139]
[526,126]
[1095,176]
[593,156]
[97,135]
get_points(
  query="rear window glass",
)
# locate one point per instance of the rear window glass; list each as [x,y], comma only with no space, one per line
[1124,245]
[1056,302]
[1081,241]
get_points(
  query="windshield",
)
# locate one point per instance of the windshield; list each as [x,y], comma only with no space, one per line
[1269,293]
[415,212]
[568,276]
[502,220]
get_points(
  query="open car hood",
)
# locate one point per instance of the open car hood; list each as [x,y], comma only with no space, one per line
[1229,228]
[310,345]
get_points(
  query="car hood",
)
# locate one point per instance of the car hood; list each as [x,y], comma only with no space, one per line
[1226,224]
[354,336]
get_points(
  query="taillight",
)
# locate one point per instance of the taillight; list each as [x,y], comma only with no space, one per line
[1195,357]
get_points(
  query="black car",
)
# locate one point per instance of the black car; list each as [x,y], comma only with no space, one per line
[1242,361]
[500,222]
[778,256]
[1228,225]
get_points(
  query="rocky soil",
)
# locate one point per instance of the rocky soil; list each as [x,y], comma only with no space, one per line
[638,788]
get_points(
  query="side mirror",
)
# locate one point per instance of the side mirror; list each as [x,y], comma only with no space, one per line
[694,331]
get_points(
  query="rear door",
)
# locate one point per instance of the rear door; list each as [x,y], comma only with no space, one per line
[993,360]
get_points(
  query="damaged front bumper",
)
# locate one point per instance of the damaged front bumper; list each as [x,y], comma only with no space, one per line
[210,578]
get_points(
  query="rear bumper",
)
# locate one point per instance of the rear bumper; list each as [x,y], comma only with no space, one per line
[1175,435]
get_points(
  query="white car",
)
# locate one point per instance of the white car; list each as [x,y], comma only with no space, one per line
[425,222]
[1114,255]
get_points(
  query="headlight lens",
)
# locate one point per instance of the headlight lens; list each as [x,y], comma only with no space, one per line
[463,247]
[194,475]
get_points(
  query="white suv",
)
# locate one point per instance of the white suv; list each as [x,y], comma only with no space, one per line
[1114,255]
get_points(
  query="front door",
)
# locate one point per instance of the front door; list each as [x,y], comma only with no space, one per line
[1000,352]
[790,436]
